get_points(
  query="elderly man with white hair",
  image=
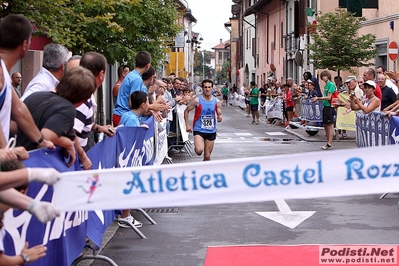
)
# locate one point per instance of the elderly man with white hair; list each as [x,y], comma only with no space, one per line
[55,57]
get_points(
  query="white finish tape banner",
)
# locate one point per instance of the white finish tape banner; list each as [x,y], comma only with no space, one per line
[306,175]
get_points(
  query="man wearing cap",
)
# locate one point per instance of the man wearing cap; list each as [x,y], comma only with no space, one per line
[351,82]
[353,88]
[371,103]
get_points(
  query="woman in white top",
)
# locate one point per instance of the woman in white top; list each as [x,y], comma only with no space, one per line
[370,103]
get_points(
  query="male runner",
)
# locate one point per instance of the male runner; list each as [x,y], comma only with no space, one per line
[207,110]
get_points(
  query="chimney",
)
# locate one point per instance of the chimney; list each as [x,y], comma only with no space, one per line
[221,40]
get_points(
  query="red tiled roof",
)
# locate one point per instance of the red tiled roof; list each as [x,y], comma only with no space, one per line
[221,46]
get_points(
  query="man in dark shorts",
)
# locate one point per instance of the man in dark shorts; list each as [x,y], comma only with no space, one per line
[254,103]
[225,92]
[208,110]
[328,113]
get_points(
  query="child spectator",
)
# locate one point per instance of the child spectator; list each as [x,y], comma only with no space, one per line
[311,87]
[138,101]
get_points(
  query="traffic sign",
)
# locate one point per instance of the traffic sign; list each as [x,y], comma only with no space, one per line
[393,50]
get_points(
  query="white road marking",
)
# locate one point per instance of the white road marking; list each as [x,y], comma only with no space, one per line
[275,133]
[285,216]
[243,134]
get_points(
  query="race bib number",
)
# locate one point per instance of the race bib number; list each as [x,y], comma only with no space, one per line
[207,122]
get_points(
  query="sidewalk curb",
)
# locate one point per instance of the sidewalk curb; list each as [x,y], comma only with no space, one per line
[302,137]
[107,236]
[296,132]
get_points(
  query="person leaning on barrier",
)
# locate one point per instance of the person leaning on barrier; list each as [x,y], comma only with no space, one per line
[306,76]
[394,76]
[311,90]
[27,254]
[10,178]
[84,119]
[139,102]
[133,82]
[54,112]
[393,109]
[371,103]
[388,95]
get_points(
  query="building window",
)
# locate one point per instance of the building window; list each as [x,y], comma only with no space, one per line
[253,47]
[249,39]
[274,37]
[226,55]
[246,39]
[282,35]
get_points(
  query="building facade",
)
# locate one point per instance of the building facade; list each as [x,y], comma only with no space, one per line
[277,43]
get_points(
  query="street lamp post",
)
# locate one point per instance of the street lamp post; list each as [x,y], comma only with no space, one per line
[203,65]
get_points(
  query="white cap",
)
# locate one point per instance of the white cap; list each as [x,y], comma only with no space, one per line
[370,83]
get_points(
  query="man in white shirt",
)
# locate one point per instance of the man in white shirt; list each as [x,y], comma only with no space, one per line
[55,57]
[242,89]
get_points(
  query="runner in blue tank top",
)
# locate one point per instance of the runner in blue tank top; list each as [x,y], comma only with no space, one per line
[208,110]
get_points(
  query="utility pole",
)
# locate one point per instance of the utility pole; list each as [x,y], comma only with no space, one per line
[203,65]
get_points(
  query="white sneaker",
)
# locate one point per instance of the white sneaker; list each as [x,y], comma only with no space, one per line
[173,150]
[326,147]
[129,219]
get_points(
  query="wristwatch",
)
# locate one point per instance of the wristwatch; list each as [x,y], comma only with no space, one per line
[37,143]
[25,257]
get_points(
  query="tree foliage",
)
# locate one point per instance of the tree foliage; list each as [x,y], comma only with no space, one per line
[337,45]
[200,63]
[116,28]
[223,73]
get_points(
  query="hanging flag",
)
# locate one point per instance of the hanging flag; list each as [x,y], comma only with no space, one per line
[311,15]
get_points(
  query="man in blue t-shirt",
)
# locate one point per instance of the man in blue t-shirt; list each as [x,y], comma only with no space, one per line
[134,82]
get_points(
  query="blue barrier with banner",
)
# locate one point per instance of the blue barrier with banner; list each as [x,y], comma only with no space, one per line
[65,236]
[311,111]
[372,129]
[394,130]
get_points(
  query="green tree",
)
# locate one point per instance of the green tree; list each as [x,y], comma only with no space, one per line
[200,60]
[337,45]
[116,28]
[223,73]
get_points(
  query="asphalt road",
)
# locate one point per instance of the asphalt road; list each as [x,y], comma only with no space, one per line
[182,234]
